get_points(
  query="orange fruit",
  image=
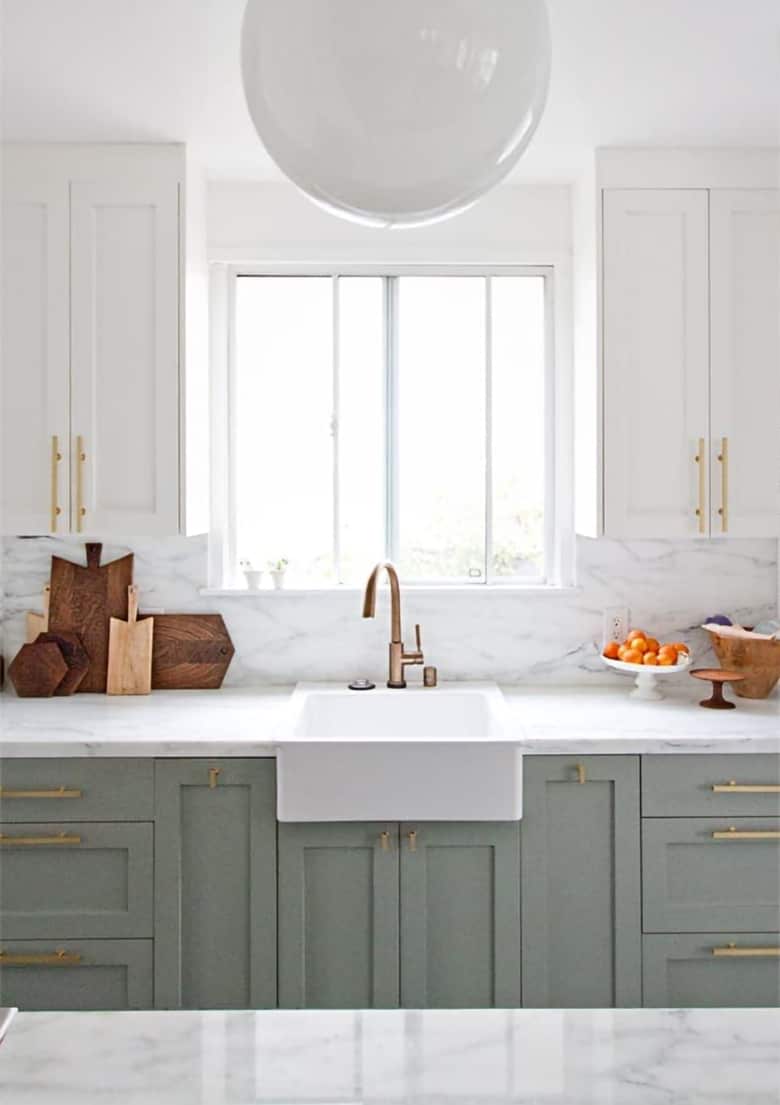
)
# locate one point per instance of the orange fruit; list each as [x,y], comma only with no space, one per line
[631,656]
[681,647]
[636,633]
[612,650]
[650,658]
[666,661]
[622,652]
[639,644]
[652,644]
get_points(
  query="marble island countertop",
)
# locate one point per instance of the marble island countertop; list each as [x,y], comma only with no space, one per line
[247,721]
[528,1057]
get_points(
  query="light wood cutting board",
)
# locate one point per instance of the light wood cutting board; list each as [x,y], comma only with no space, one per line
[38,623]
[130,651]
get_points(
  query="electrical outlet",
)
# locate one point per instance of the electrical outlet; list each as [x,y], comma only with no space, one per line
[616,619]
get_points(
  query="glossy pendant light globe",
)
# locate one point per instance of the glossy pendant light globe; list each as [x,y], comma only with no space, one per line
[396,112]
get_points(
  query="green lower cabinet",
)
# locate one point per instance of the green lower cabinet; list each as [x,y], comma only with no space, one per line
[338,916]
[581,883]
[460,915]
[82,975]
[215,884]
[712,970]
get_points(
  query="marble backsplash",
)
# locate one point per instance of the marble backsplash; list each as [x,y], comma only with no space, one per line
[540,637]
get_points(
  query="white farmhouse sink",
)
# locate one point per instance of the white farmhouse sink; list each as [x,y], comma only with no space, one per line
[419,754]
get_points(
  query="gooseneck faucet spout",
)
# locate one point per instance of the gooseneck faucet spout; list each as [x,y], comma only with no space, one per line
[398,658]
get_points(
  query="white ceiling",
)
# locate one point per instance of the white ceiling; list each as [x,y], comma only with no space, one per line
[625,72]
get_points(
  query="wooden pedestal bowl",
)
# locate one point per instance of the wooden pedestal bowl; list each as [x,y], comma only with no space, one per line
[758,661]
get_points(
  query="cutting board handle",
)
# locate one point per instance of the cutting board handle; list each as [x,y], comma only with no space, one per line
[94,549]
[132,604]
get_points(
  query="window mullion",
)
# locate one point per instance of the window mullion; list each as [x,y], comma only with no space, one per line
[391,321]
[334,429]
[488,429]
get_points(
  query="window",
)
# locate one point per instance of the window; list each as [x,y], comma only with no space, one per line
[405,415]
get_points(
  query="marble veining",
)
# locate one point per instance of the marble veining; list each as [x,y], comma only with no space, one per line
[511,637]
[244,721]
[526,1057]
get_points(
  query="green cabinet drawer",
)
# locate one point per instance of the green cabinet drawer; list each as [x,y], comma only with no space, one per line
[711,874]
[718,970]
[76,790]
[84,975]
[710,786]
[76,879]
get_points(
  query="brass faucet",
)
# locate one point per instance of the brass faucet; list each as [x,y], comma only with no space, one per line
[399,658]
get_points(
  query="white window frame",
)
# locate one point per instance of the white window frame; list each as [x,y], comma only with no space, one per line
[559,533]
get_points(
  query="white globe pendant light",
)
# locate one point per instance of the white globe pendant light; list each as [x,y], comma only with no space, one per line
[396,112]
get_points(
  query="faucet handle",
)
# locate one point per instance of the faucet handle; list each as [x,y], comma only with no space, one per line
[417,636]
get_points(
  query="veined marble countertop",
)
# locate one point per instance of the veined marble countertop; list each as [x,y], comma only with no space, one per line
[251,722]
[528,1057]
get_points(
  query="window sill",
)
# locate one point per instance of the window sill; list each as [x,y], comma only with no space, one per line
[493,590]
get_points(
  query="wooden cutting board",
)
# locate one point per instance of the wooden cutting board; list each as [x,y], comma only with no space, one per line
[130,651]
[84,599]
[37,670]
[75,656]
[38,623]
[190,652]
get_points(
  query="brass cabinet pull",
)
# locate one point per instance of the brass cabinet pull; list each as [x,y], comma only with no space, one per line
[733,787]
[81,510]
[732,833]
[412,837]
[38,841]
[731,951]
[699,459]
[214,774]
[60,792]
[581,775]
[723,511]
[384,840]
[56,457]
[58,958]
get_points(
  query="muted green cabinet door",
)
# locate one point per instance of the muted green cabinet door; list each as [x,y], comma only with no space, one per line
[215,884]
[460,915]
[581,882]
[84,975]
[338,916]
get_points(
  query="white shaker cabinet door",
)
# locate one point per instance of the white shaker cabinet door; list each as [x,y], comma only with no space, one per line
[656,362]
[745,278]
[125,354]
[34,350]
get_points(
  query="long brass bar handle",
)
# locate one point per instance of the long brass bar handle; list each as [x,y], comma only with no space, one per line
[731,951]
[732,833]
[733,787]
[56,457]
[81,510]
[7,841]
[700,459]
[723,511]
[412,837]
[582,777]
[60,792]
[58,958]
[384,840]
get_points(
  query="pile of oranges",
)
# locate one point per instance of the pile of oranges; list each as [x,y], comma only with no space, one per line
[639,648]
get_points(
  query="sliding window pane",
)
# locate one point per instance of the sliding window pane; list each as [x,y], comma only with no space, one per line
[361,425]
[518,416]
[283,407]
[441,413]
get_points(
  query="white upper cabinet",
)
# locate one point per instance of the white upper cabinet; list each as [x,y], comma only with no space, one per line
[656,362]
[93,307]
[35,352]
[125,354]
[745,376]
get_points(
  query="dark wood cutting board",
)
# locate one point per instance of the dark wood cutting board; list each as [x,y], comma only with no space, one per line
[190,652]
[83,600]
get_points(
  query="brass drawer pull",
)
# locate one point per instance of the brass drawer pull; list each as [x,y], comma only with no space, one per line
[38,841]
[81,510]
[58,958]
[700,459]
[731,951]
[384,840]
[60,792]
[733,833]
[582,777]
[412,837]
[56,457]
[723,511]
[214,774]
[733,787]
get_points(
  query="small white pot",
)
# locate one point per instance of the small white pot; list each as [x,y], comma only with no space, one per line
[253,579]
[277,577]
